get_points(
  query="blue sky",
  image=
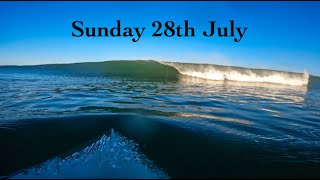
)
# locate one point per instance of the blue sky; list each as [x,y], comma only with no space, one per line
[280,35]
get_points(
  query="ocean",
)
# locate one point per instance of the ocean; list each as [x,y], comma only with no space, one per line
[149,119]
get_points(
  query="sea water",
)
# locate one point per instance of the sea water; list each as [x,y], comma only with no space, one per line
[147,119]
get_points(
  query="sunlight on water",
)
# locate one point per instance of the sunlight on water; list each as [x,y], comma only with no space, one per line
[241,121]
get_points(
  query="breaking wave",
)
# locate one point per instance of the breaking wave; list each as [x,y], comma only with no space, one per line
[153,70]
[223,73]
[110,157]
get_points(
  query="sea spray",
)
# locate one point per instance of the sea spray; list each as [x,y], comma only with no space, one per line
[111,156]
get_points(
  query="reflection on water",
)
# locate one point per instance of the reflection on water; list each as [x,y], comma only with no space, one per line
[215,118]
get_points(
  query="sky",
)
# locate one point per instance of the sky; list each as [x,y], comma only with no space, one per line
[279,35]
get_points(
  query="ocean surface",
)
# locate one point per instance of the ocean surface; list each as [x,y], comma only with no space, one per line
[148,119]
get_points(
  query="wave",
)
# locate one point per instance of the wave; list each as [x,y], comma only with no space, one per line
[110,157]
[149,69]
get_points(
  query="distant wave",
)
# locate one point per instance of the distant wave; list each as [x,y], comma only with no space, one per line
[110,157]
[142,69]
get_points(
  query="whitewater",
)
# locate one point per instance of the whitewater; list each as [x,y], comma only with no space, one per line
[222,73]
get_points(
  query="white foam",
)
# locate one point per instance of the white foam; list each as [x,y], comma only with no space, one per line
[220,73]
[109,157]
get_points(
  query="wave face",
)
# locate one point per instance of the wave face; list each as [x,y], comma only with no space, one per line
[139,69]
[110,157]
[222,73]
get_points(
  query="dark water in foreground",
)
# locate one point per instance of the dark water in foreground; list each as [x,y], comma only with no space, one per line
[74,121]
